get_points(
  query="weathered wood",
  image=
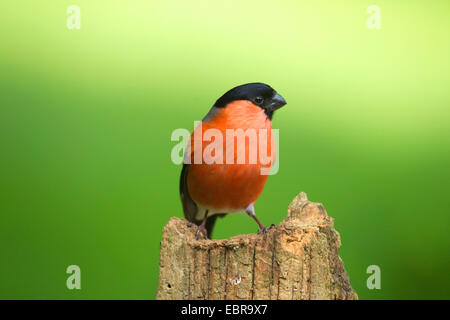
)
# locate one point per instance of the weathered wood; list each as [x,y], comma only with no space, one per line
[298,259]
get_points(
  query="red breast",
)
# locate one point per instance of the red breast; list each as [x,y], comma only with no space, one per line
[226,186]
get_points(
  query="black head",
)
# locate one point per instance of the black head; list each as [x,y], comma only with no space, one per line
[260,94]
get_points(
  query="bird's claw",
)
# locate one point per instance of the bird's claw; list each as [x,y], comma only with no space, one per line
[201,230]
[262,230]
[265,229]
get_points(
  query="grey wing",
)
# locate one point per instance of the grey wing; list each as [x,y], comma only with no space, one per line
[189,206]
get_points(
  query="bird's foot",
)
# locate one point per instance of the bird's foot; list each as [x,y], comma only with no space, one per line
[201,230]
[264,230]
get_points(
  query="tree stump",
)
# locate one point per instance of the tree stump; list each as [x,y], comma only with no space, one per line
[297,259]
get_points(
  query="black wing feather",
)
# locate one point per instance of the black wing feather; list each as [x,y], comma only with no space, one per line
[189,206]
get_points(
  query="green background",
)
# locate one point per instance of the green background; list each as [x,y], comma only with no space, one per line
[86,118]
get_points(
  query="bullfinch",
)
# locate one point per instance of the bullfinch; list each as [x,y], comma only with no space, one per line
[222,175]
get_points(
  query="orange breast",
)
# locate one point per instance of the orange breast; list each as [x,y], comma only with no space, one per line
[237,180]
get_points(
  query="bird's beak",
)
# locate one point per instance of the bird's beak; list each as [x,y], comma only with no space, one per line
[277,102]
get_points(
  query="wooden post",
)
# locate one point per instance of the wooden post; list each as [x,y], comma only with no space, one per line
[297,259]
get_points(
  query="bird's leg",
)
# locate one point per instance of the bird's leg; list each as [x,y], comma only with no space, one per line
[201,228]
[250,210]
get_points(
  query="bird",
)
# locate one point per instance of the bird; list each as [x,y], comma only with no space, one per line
[213,189]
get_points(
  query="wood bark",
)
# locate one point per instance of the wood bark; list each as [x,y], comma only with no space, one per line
[298,259]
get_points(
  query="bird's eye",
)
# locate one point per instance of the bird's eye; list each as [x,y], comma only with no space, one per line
[259,100]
